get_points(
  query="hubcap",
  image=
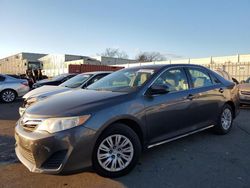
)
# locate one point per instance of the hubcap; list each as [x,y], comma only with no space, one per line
[226,119]
[8,96]
[115,153]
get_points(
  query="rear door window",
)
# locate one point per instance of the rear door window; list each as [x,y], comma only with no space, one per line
[200,78]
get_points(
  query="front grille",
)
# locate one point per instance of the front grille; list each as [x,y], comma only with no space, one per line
[27,154]
[55,160]
[29,127]
[245,92]
[30,124]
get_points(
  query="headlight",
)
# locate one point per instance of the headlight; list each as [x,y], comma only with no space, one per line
[32,100]
[53,125]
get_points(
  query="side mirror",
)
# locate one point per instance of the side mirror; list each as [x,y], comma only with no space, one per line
[158,90]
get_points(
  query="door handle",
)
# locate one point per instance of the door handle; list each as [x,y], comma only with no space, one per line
[221,90]
[190,97]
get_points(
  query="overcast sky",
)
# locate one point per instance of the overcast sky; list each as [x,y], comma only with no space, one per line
[187,28]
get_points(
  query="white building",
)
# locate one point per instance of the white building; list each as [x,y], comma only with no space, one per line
[55,64]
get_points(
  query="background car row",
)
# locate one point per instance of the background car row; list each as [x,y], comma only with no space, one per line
[80,81]
[10,88]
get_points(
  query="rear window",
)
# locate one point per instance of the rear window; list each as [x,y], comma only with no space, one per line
[214,79]
[2,78]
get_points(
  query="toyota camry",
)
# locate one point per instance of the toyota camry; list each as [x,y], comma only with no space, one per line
[109,124]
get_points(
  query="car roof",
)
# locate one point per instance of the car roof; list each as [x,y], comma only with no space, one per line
[6,76]
[10,77]
[68,74]
[97,72]
[162,66]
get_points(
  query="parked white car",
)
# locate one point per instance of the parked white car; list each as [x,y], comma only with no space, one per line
[80,81]
[11,88]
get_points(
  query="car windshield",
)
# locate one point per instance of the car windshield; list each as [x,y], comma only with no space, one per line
[248,80]
[59,77]
[76,81]
[125,80]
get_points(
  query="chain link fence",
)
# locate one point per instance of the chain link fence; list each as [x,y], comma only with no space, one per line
[240,71]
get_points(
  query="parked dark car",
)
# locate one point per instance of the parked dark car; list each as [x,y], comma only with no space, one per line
[55,81]
[79,81]
[114,119]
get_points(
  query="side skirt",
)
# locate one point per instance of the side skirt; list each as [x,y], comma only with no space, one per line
[178,137]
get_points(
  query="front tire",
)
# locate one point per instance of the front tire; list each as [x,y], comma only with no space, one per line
[8,95]
[225,120]
[117,151]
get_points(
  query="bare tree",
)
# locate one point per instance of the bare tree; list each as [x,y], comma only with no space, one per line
[150,56]
[114,52]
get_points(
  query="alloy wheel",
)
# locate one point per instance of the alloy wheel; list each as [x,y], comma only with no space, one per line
[115,153]
[8,96]
[226,118]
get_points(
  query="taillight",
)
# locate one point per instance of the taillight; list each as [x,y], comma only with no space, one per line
[25,83]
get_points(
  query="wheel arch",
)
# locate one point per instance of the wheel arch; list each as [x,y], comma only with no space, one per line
[131,122]
[232,105]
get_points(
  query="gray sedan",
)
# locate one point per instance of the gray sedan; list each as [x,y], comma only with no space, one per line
[114,119]
[11,88]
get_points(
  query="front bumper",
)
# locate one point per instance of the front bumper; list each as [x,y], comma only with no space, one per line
[68,150]
[244,99]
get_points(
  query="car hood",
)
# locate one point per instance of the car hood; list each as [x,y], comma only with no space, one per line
[45,91]
[245,87]
[73,103]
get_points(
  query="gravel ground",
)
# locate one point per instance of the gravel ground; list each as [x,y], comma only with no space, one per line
[201,160]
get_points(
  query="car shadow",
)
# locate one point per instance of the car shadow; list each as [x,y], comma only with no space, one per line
[9,111]
[7,150]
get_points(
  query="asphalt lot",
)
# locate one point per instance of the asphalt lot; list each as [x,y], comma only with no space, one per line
[200,160]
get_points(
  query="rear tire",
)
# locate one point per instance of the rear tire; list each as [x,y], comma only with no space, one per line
[225,120]
[116,152]
[8,95]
